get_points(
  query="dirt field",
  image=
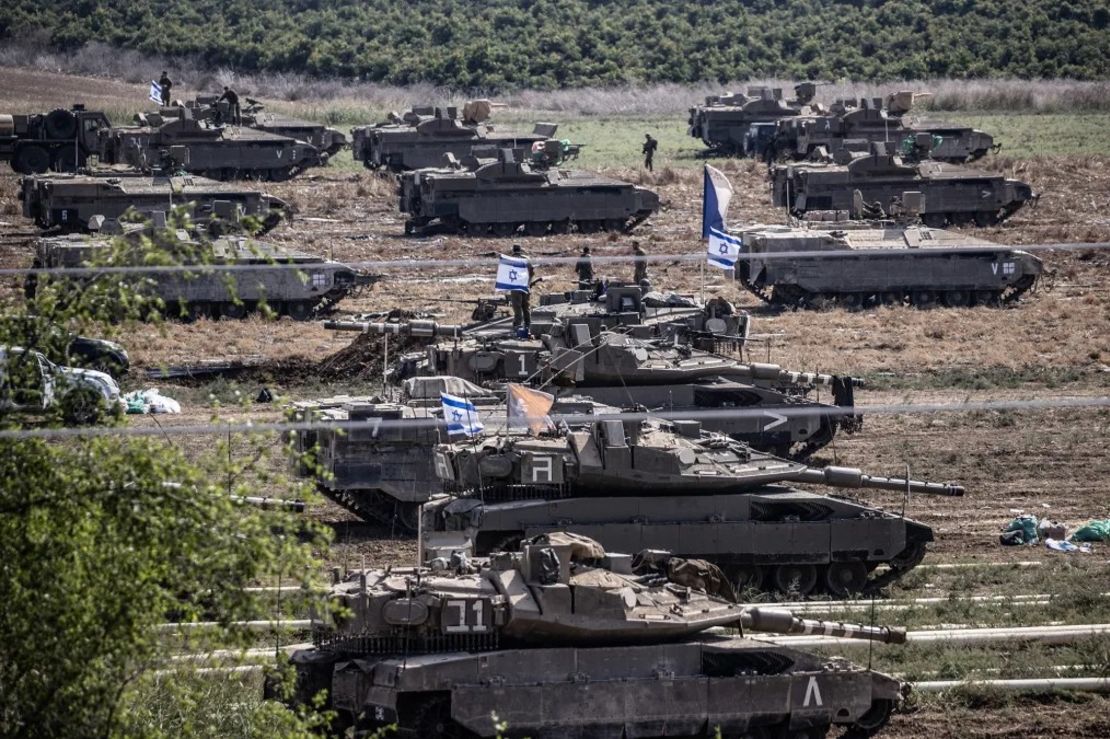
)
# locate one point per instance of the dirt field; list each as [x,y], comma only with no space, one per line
[1054,343]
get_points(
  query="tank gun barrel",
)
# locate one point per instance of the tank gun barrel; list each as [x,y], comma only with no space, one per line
[779,621]
[764,371]
[852,477]
[419,329]
[297,506]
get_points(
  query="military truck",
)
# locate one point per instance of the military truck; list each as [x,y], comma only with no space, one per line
[261,273]
[61,140]
[327,140]
[859,264]
[502,196]
[69,202]
[424,135]
[724,121]
[951,193]
[565,639]
[637,483]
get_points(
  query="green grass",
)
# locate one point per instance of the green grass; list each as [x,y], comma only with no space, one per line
[1050,134]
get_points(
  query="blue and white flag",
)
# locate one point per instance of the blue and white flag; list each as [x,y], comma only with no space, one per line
[723,248]
[155,92]
[512,274]
[460,414]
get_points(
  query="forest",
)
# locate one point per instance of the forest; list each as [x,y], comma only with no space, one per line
[501,45]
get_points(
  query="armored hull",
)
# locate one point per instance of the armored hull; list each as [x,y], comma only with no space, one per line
[401,147]
[723,123]
[327,140]
[502,197]
[67,202]
[918,265]
[952,193]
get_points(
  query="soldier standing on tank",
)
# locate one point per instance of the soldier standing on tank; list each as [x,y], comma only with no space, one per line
[584,268]
[650,145]
[165,83]
[232,99]
[639,261]
[520,299]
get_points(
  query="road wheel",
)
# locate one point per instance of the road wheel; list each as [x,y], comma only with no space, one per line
[504,229]
[31,160]
[614,224]
[957,298]
[876,718]
[298,310]
[560,227]
[82,406]
[986,297]
[892,298]
[961,219]
[986,218]
[536,228]
[851,301]
[589,227]
[795,578]
[747,577]
[923,299]
[846,578]
[234,311]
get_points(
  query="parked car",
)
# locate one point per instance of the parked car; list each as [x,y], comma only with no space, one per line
[31,383]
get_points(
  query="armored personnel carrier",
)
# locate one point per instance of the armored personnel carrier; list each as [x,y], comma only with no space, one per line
[69,201]
[638,484]
[313,288]
[858,264]
[503,196]
[724,121]
[198,147]
[254,115]
[562,639]
[424,135]
[952,193]
[852,125]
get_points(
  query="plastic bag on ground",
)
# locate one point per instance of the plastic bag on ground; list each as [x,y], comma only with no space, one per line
[1098,530]
[150,401]
[1022,530]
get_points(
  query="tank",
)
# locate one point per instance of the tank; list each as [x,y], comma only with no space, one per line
[951,193]
[422,136]
[903,263]
[852,125]
[202,148]
[637,484]
[563,639]
[503,196]
[69,201]
[724,121]
[254,115]
[314,288]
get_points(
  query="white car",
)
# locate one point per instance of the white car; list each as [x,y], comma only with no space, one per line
[31,383]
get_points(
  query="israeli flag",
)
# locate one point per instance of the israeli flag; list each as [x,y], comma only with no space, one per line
[723,248]
[460,414]
[512,274]
[155,92]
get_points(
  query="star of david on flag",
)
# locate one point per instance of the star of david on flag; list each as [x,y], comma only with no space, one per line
[512,274]
[155,92]
[460,414]
[723,248]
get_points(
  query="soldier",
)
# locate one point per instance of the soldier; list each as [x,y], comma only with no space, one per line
[165,83]
[519,299]
[584,268]
[650,145]
[232,99]
[639,260]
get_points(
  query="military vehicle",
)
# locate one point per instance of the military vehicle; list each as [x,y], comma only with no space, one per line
[724,121]
[896,264]
[502,196]
[643,483]
[327,140]
[563,639]
[197,147]
[69,202]
[951,193]
[422,136]
[61,140]
[847,124]
[314,287]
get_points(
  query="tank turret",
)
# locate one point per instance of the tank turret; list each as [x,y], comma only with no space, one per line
[325,139]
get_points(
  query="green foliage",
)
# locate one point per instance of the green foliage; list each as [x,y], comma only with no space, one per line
[505,44]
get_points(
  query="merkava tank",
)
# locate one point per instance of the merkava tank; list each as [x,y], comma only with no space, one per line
[562,639]
[505,195]
[952,193]
[724,121]
[254,115]
[637,483]
[860,264]
[422,136]
[309,290]
[69,201]
[199,147]
[850,125]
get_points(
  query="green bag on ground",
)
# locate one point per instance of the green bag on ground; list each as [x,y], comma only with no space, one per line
[1093,531]
[1026,528]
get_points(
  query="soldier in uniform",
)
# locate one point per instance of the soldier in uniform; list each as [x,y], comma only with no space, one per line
[639,261]
[584,268]
[522,308]
[650,145]
[165,83]
[232,99]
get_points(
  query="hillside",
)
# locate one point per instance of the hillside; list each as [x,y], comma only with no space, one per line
[506,44]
